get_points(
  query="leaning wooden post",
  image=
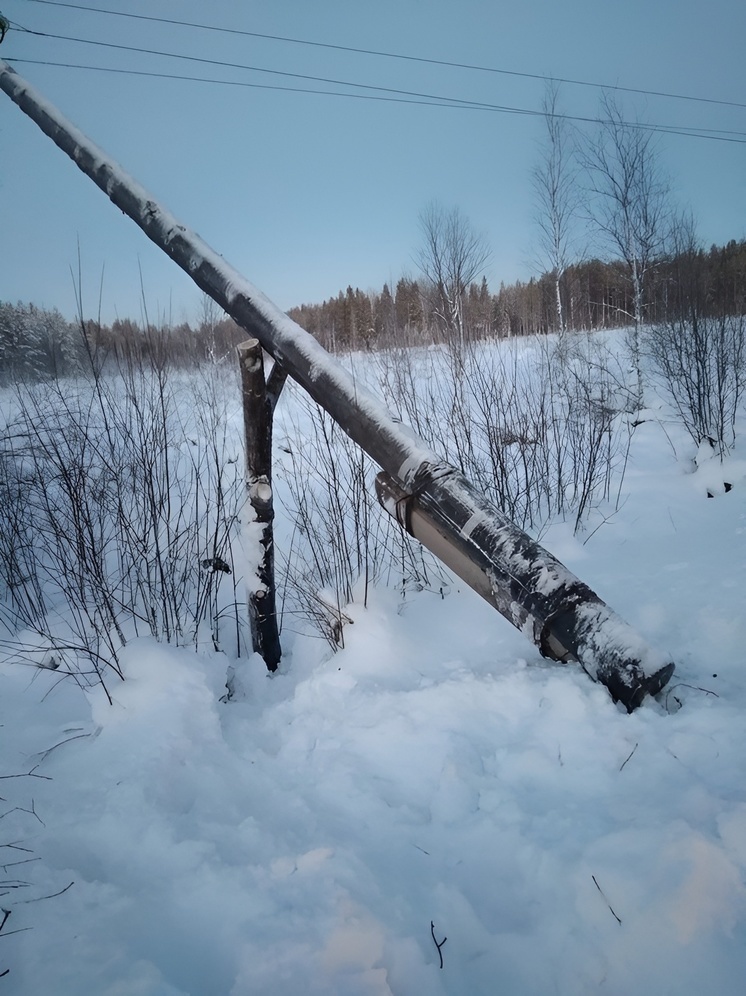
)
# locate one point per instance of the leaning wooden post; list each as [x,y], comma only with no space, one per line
[555,610]
[258,409]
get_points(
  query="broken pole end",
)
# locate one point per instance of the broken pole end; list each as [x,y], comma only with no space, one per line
[560,614]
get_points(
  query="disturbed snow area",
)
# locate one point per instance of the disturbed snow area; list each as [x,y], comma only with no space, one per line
[435,779]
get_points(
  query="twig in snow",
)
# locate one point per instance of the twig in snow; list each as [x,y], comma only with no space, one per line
[21,809]
[629,755]
[16,847]
[607,901]
[28,774]
[683,684]
[7,887]
[605,519]
[52,895]
[44,754]
[12,864]
[697,688]
[438,946]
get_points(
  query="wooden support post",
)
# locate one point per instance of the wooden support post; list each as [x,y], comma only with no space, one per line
[259,400]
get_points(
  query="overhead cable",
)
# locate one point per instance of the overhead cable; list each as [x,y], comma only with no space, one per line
[418,97]
[395,55]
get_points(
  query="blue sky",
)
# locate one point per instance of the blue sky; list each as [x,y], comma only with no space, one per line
[306,193]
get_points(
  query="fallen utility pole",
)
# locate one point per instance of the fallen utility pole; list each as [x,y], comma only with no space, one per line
[561,615]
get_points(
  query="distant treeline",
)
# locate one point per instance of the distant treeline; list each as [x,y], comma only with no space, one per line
[36,343]
[595,295]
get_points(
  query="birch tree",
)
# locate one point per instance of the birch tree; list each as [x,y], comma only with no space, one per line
[557,198]
[451,256]
[629,205]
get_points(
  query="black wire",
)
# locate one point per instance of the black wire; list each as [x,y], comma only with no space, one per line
[395,55]
[712,134]
[421,97]
[259,69]
[266,86]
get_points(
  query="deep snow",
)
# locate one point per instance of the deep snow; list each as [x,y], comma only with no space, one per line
[434,771]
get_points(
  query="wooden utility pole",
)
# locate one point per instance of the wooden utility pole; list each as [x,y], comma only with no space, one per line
[530,587]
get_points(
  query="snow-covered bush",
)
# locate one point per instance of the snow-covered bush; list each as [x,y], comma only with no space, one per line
[341,541]
[701,363]
[539,425]
[120,498]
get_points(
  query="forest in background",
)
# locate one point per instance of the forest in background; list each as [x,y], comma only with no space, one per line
[39,343]
[596,295]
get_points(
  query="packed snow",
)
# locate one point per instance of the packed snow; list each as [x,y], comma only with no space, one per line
[433,809]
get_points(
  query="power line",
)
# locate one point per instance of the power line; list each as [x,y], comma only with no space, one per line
[270,86]
[396,55]
[416,97]
[258,69]
[705,133]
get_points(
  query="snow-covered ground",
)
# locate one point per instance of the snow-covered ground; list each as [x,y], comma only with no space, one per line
[434,779]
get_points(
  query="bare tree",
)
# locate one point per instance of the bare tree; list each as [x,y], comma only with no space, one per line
[630,207]
[452,255]
[557,197]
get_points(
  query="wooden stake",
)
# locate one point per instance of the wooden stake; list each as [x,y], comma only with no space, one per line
[258,409]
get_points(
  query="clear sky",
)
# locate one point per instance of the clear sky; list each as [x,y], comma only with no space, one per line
[307,193]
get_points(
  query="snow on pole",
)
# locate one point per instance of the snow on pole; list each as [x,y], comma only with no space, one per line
[560,614]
